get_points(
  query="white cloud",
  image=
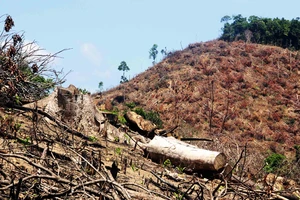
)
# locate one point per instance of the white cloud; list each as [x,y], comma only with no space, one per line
[32,52]
[91,52]
[35,53]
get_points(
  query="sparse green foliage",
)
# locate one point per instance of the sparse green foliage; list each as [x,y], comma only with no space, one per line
[83,91]
[178,195]
[118,150]
[117,139]
[140,111]
[274,162]
[133,167]
[17,99]
[48,83]
[92,138]
[122,119]
[164,52]
[153,53]
[123,79]
[180,169]
[167,163]
[151,116]
[17,126]
[123,67]
[131,105]
[25,141]
[289,121]
[100,86]
[155,118]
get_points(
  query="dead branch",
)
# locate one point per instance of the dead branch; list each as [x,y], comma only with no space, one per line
[145,189]
[59,123]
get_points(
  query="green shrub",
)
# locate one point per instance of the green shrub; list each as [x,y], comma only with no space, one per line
[92,138]
[167,163]
[131,105]
[274,162]
[155,118]
[83,91]
[25,141]
[151,116]
[118,150]
[122,119]
[141,112]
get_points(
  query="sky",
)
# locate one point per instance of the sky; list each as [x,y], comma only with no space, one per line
[102,34]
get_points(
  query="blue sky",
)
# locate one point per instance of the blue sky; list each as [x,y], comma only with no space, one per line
[104,33]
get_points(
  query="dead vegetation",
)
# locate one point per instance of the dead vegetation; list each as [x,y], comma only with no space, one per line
[241,91]
[42,157]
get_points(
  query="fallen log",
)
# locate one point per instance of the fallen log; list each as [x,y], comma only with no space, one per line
[185,155]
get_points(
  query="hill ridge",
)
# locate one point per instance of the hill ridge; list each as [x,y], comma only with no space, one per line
[245,90]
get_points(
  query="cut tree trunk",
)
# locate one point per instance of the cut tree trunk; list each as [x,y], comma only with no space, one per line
[184,155]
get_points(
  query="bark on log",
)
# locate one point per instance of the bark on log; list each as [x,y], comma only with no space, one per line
[185,155]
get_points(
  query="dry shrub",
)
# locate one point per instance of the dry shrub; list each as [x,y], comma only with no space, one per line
[262,53]
[276,116]
[280,137]
[259,135]
[174,57]
[249,48]
[209,71]
[232,147]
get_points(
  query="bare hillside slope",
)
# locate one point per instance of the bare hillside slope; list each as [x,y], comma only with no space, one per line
[241,91]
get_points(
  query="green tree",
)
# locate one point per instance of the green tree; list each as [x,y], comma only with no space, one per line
[279,32]
[100,86]
[226,19]
[164,52]
[240,25]
[123,67]
[295,33]
[153,53]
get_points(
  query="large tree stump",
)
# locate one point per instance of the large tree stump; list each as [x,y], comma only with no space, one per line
[77,111]
[184,155]
[73,108]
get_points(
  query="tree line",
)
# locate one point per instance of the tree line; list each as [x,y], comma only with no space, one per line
[279,32]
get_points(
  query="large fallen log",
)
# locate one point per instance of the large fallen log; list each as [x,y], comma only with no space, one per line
[184,155]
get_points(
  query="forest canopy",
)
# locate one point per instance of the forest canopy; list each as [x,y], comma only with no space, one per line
[279,32]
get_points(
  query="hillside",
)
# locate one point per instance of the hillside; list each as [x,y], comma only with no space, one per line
[238,99]
[242,96]
[235,93]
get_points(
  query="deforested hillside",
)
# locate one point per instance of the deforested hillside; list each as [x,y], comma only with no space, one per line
[237,91]
[236,104]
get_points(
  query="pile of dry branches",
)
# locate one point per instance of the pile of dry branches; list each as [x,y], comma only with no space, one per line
[24,68]
[47,159]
